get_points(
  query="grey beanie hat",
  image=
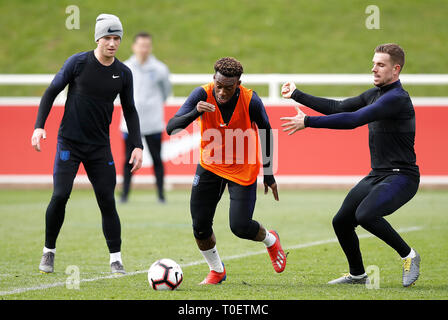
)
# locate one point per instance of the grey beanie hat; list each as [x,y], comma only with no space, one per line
[108,24]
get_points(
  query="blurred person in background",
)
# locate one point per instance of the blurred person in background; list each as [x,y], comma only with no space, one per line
[151,89]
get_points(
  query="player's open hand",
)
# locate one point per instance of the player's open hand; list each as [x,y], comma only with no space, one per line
[287,89]
[136,159]
[203,106]
[38,134]
[294,123]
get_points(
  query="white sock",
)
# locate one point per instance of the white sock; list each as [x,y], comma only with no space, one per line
[410,255]
[116,256]
[270,239]
[359,277]
[49,250]
[213,260]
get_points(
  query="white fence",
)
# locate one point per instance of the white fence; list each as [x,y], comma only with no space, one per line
[273,80]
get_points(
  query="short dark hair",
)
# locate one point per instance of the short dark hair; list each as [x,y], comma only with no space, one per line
[395,52]
[229,67]
[142,34]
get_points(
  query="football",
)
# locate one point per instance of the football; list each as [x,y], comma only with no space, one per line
[165,274]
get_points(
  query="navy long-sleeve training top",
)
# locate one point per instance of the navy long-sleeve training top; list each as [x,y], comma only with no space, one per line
[92,90]
[257,113]
[390,116]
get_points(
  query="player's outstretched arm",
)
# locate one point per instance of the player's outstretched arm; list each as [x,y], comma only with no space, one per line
[38,134]
[294,124]
[384,108]
[323,105]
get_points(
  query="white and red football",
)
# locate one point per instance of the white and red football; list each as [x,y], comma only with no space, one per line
[165,274]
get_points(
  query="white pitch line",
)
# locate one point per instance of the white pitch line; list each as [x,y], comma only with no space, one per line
[194,263]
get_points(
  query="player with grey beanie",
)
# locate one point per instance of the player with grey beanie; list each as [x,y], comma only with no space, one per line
[94,78]
[108,24]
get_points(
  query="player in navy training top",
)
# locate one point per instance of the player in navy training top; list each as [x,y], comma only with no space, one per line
[94,80]
[394,179]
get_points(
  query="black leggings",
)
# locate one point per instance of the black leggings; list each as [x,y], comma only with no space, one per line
[154,142]
[100,168]
[366,204]
[205,194]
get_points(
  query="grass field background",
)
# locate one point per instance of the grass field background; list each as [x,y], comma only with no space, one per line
[151,231]
[267,36]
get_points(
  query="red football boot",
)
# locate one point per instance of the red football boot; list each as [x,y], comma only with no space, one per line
[278,256]
[215,277]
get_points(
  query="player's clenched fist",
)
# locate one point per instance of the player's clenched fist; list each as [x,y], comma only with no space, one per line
[203,106]
[287,89]
[37,135]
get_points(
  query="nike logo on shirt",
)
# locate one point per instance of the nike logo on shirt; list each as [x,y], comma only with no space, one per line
[115,77]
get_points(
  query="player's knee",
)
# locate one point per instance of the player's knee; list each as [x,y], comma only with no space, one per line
[60,198]
[239,231]
[202,229]
[338,222]
[365,217]
[106,203]
[202,234]
[242,230]
[105,194]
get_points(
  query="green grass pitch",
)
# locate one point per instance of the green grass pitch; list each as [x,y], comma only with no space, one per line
[151,231]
